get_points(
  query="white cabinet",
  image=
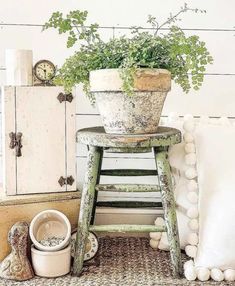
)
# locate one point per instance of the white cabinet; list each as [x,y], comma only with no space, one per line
[39,150]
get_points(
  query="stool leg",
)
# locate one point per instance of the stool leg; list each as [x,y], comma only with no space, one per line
[97,182]
[88,193]
[168,201]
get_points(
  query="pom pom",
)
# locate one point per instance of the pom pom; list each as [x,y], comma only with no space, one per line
[188,117]
[189,125]
[192,197]
[224,121]
[192,185]
[217,274]
[192,238]
[163,243]
[229,275]
[190,273]
[155,235]
[203,274]
[164,238]
[188,137]
[190,173]
[173,116]
[204,120]
[192,212]
[188,264]
[163,246]
[190,159]
[154,243]
[159,221]
[193,224]
[191,250]
[189,148]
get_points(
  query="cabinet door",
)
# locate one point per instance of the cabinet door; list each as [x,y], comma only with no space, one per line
[8,125]
[42,120]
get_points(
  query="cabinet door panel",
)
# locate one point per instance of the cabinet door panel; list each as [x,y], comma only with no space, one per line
[8,125]
[41,119]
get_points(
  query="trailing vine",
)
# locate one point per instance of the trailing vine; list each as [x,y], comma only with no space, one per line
[184,56]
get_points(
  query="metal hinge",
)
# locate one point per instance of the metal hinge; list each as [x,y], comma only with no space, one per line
[65,97]
[66,181]
[15,142]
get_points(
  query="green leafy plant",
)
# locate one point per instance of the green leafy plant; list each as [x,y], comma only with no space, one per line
[185,57]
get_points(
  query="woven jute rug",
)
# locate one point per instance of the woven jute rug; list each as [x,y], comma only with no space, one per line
[122,261]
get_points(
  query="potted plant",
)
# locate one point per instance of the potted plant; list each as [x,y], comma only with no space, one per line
[129,77]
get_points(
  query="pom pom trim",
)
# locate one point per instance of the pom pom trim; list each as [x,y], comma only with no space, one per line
[190,271]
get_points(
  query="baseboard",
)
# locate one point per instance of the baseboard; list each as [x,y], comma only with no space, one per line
[127,216]
[25,207]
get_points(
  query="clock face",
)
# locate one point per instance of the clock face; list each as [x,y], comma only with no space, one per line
[44,70]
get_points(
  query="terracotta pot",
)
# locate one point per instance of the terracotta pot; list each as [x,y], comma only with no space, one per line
[48,224]
[136,114]
[51,264]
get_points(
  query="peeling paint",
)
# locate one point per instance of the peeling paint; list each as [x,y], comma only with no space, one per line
[136,114]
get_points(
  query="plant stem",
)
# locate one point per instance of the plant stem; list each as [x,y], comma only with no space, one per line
[172,18]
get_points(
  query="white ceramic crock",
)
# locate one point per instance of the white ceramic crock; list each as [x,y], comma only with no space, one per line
[51,264]
[19,66]
[50,223]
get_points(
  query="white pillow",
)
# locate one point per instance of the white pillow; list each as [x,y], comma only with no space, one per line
[182,159]
[215,256]
[215,231]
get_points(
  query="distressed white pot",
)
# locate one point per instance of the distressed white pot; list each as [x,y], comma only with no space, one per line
[51,264]
[136,114]
[19,67]
[50,223]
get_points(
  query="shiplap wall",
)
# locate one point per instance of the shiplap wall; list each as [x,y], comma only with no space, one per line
[20,27]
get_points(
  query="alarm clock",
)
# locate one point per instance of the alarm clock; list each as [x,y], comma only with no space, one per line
[44,71]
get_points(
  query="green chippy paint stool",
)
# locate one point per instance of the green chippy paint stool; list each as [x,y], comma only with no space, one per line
[97,141]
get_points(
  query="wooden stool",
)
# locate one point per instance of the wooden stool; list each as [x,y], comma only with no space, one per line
[97,141]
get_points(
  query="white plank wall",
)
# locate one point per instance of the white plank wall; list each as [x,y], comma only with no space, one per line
[20,27]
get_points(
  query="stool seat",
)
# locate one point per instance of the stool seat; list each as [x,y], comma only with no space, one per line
[96,136]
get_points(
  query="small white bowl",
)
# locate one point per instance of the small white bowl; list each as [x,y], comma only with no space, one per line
[51,264]
[48,224]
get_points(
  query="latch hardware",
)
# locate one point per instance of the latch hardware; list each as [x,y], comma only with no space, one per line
[63,181]
[15,142]
[65,97]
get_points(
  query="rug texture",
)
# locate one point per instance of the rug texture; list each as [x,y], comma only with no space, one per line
[124,262]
